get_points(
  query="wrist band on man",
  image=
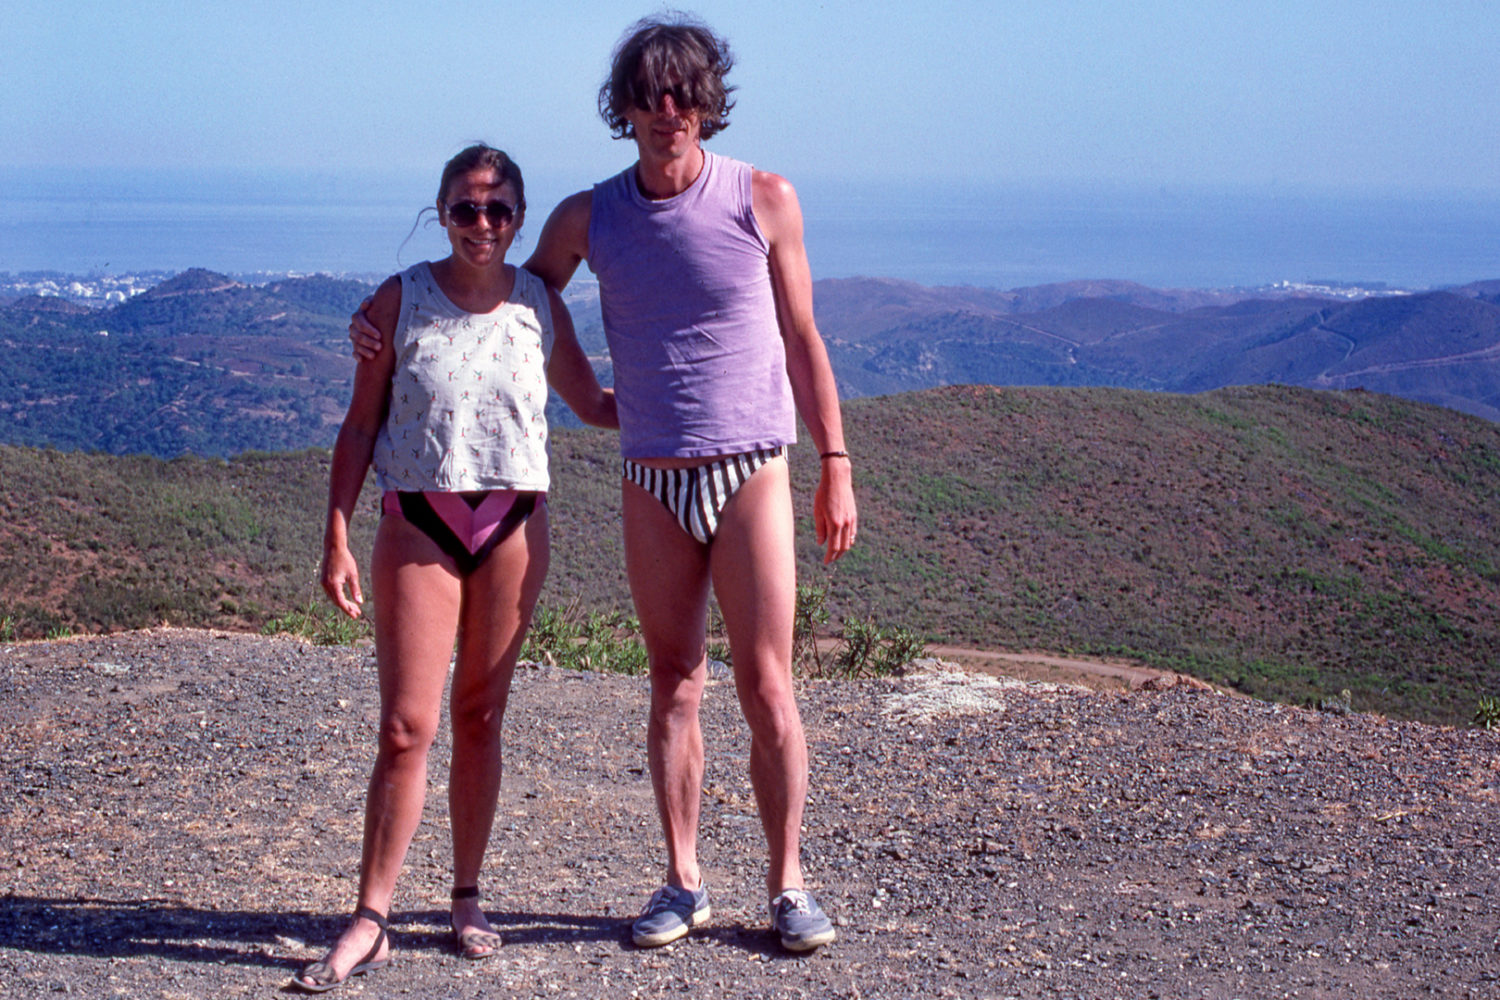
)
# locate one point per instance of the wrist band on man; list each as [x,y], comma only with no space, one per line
[834,454]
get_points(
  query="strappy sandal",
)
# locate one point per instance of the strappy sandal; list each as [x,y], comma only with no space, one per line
[320,974]
[473,944]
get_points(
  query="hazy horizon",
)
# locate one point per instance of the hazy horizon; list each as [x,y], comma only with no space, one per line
[998,235]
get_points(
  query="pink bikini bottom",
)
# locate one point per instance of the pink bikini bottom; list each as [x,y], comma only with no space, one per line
[466,526]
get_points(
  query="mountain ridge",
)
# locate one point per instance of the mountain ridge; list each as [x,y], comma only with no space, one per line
[239,367]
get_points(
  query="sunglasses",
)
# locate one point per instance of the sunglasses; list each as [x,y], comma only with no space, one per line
[464,214]
[682,97]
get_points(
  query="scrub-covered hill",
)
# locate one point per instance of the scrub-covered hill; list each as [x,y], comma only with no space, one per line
[1292,544]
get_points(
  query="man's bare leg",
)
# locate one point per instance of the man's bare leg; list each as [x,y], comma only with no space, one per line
[668,573]
[754,575]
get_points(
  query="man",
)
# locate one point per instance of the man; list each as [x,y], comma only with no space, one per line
[707,302]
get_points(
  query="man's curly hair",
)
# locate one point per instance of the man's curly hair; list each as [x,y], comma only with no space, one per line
[677,55]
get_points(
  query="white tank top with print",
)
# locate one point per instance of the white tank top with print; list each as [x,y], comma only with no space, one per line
[469,391]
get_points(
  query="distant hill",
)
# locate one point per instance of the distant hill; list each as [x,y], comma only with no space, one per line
[203,364]
[47,305]
[200,364]
[887,336]
[1286,542]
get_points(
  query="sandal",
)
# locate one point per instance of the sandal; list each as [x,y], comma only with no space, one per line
[320,974]
[473,944]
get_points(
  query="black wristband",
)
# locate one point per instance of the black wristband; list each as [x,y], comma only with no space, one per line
[834,454]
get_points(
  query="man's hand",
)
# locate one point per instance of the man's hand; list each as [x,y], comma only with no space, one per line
[834,517]
[362,332]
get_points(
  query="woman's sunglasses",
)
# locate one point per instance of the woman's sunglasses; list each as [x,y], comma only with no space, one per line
[464,214]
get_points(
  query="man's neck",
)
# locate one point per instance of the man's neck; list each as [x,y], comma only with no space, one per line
[663,178]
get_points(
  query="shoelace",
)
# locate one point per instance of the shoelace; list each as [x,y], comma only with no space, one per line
[664,896]
[796,900]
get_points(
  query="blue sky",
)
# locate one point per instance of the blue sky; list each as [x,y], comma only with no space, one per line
[1375,95]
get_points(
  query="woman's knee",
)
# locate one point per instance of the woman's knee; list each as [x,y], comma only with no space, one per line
[406,733]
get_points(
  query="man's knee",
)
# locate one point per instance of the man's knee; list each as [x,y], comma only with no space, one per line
[477,718]
[769,703]
[676,659]
[677,683]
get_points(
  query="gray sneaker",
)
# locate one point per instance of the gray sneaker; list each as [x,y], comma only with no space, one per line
[800,921]
[668,915]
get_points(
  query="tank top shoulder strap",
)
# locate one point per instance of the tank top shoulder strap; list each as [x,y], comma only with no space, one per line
[418,293]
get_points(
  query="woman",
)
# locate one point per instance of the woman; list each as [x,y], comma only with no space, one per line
[451,413]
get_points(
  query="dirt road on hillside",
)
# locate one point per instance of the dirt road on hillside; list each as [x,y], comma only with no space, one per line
[1095,674]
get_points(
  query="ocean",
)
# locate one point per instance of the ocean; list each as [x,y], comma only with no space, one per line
[92,222]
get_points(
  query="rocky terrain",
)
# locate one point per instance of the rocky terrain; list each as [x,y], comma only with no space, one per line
[180,813]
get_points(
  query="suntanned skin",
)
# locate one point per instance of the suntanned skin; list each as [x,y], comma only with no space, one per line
[426,602]
[671,157]
[751,563]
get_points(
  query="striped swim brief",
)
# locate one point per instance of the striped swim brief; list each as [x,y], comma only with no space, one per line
[697,495]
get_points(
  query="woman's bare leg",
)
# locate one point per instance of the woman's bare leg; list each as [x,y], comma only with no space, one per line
[417,597]
[498,599]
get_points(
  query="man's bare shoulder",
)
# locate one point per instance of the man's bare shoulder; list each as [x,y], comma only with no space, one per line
[564,240]
[385,305]
[772,189]
[776,207]
[573,211]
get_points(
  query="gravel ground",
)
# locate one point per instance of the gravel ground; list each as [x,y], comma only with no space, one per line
[180,815]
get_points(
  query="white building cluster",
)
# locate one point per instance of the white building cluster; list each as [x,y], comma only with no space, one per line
[93,290]
[1335,290]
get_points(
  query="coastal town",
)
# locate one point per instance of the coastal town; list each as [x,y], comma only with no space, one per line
[111,289]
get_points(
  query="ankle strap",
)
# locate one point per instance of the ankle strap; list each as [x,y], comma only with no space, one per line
[467,892]
[372,916]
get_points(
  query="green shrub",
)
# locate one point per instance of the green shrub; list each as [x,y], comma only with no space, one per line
[811,615]
[867,649]
[861,640]
[1487,715]
[578,640]
[320,624]
[718,638]
[900,646]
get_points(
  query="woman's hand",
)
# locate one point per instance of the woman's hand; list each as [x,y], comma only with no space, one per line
[362,333]
[340,571]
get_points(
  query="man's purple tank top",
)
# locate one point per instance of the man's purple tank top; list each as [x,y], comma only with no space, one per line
[685,290]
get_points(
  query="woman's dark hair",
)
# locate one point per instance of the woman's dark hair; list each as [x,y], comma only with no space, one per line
[479,157]
[675,54]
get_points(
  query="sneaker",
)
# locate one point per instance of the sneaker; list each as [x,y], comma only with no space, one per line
[800,921]
[669,914]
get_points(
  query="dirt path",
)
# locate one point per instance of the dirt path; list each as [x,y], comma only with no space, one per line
[1094,673]
[1098,675]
